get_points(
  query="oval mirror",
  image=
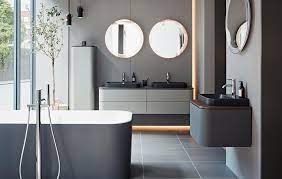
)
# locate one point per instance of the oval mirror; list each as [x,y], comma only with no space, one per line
[168,38]
[124,38]
[238,23]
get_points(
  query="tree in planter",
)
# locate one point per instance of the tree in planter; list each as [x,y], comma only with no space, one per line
[6,33]
[48,36]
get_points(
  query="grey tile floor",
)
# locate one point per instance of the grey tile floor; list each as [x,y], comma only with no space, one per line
[173,156]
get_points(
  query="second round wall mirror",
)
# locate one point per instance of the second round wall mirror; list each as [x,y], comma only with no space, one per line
[168,39]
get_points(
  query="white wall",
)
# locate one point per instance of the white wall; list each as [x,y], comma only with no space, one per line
[245,162]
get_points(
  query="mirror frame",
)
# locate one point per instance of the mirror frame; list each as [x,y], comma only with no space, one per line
[186,35]
[137,51]
[233,49]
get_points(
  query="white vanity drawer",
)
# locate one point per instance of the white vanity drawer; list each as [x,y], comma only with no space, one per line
[122,95]
[134,107]
[168,107]
[169,95]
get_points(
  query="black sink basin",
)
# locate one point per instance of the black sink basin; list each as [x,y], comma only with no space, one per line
[223,100]
[122,85]
[169,85]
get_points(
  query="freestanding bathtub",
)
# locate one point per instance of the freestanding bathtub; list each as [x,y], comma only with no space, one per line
[92,144]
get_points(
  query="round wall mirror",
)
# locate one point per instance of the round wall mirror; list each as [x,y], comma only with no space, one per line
[238,24]
[168,38]
[124,38]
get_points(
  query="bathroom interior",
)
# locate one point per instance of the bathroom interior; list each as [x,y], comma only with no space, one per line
[140,89]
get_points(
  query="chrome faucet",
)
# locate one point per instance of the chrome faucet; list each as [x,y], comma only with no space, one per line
[123,78]
[167,77]
[232,85]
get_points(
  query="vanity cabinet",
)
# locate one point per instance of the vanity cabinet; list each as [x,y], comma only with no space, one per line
[123,99]
[146,101]
[168,101]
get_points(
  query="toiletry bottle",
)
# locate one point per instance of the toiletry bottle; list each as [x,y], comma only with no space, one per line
[133,78]
[241,91]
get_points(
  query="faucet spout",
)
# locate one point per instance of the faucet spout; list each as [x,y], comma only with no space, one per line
[168,77]
[232,85]
[123,78]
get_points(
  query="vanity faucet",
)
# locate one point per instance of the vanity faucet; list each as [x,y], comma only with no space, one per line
[167,77]
[123,78]
[232,85]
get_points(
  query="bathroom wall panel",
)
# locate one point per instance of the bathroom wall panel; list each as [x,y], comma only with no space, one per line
[99,14]
[149,65]
[246,66]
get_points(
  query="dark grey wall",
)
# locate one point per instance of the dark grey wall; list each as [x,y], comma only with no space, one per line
[271,89]
[220,45]
[210,49]
[101,13]
[246,66]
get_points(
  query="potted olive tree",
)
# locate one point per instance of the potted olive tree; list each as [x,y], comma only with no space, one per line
[48,37]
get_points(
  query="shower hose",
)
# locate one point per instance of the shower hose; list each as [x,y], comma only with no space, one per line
[53,137]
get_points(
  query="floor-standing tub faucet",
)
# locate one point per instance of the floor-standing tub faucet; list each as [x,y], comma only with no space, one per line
[38,106]
[38,141]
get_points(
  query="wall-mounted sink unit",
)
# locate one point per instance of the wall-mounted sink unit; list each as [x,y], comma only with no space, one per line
[122,85]
[169,85]
[146,100]
[221,125]
[223,100]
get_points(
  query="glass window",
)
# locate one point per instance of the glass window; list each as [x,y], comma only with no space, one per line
[26,53]
[8,26]
[6,54]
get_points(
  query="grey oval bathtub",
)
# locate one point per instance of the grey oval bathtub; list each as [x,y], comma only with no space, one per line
[92,144]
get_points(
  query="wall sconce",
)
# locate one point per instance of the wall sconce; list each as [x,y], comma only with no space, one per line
[69,20]
[80,11]
[69,16]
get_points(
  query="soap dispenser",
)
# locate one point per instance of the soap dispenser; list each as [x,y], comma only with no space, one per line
[133,78]
[241,91]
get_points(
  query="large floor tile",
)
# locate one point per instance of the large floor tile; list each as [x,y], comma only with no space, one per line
[214,170]
[206,154]
[190,143]
[148,135]
[159,143]
[165,154]
[163,170]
